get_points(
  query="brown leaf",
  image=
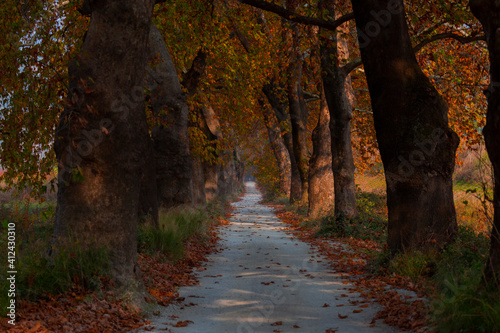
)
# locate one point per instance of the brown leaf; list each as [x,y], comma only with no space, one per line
[183,323]
[342,317]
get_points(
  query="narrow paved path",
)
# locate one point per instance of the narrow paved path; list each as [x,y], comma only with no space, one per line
[266,281]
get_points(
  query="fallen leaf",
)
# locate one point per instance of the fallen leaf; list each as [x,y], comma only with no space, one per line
[183,323]
[342,317]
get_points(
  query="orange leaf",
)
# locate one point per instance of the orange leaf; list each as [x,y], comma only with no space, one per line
[182,323]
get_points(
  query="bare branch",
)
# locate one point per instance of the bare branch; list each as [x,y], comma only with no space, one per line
[461,39]
[294,17]
[350,66]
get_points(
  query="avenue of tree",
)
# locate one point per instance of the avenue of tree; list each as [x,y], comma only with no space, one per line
[150,105]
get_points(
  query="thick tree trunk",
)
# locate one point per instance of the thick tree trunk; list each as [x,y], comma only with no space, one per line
[211,173]
[279,150]
[321,183]
[101,138]
[148,196]
[334,80]
[199,195]
[174,166]
[226,173]
[190,82]
[215,177]
[416,145]
[279,107]
[297,115]
[488,12]
[239,170]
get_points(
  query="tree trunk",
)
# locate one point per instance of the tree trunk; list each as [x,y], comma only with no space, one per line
[215,177]
[148,196]
[102,136]
[297,116]
[321,183]
[340,122]
[190,82]
[279,107]
[199,195]
[225,179]
[488,13]
[174,166]
[211,173]
[416,145]
[240,170]
[279,150]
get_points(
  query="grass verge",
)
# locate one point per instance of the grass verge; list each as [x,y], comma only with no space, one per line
[174,227]
[38,275]
[69,291]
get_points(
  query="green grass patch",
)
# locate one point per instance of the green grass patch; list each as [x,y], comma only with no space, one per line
[465,185]
[369,224]
[414,264]
[39,274]
[460,305]
[174,227]
[452,279]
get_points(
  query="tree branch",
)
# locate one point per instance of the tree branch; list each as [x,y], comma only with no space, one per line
[349,67]
[294,17]
[461,39]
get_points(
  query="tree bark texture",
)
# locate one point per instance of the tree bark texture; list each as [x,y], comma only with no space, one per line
[297,110]
[174,166]
[411,122]
[333,50]
[199,195]
[190,81]
[279,149]
[148,196]
[321,183]
[239,180]
[488,13]
[212,169]
[279,107]
[102,136]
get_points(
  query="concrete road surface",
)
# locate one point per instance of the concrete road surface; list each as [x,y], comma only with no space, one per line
[266,281]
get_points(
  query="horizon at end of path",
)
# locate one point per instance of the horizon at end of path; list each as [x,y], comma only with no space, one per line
[265,280]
